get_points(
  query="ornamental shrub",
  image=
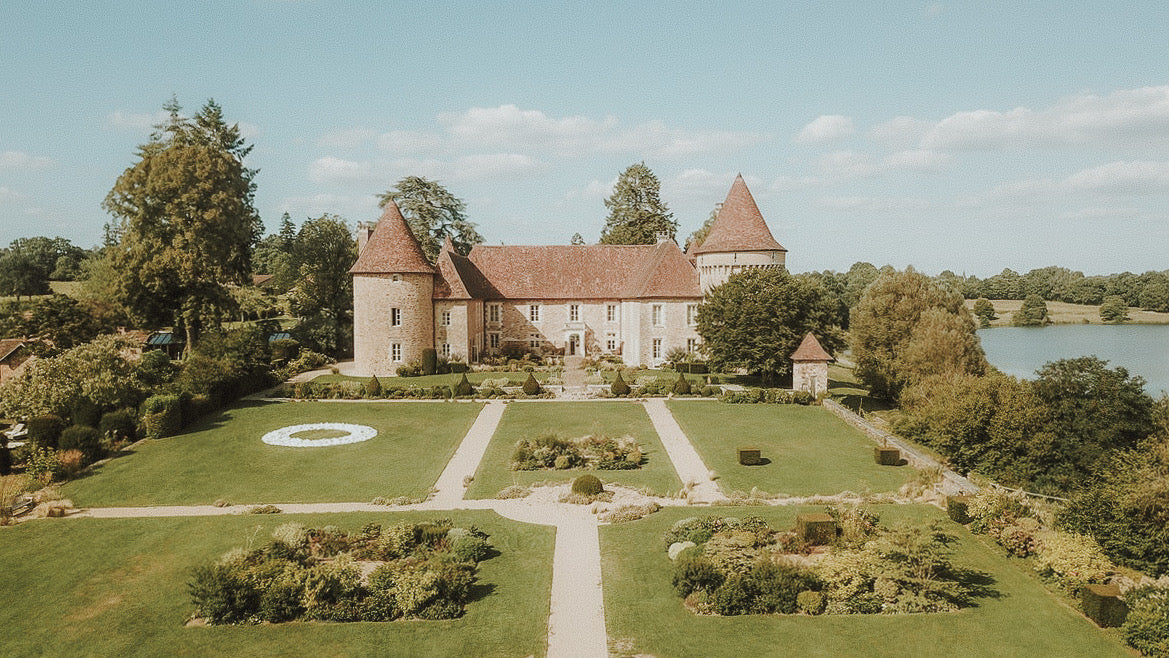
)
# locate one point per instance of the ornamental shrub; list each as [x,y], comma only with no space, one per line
[429,361]
[587,485]
[531,386]
[161,416]
[82,438]
[464,388]
[1070,560]
[810,602]
[117,425]
[45,430]
[681,385]
[1146,628]
[776,587]
[693,573]
[373,388]
[732,552]
[223,594]
[803,397]
[619,387]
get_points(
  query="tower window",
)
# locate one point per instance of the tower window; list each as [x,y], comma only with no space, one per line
[657,349]
[657,315]
[396,352]
[691,314]
[493,313]
[395,317]
[611,313]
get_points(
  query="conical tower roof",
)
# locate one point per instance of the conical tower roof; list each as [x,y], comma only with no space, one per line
[392,248]
[739,225]
[810,350]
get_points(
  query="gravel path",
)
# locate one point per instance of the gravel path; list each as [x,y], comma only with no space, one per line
[687,463]
[466,459]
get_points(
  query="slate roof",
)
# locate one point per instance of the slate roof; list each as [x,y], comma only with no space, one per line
[810,350]
[739,225]
[586,271]
[391,248]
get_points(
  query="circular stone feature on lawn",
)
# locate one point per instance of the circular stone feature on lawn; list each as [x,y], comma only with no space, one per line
[336,434]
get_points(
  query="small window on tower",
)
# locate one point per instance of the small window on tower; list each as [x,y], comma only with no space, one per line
[395,317]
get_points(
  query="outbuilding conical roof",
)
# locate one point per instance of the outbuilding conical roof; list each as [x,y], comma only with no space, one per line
[392,248]
[739,225]
[810,350]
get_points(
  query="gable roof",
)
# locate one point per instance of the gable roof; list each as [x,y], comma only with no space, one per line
[391,248]
[458,278]
[10,345]
[810,350]
[739,225]
[585,271]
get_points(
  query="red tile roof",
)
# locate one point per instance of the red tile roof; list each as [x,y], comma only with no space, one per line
[391,248]
[810,350]
[586,271]
[739,225]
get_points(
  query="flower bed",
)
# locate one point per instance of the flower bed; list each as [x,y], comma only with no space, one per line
[347,433]
[553,452]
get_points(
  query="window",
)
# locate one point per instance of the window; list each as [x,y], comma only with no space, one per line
[574,312]
[611,313]
[396,352]
[493,313]
[691,315]
[493,340]
[691,345]
[611,342]
[446,350]
[445,319]
[395,277]
[657,349]
[395,317]
[534,341]
[657,315]
[534,312]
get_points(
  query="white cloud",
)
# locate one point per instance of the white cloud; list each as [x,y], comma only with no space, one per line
[331,169]
[8,194]
[492,166]
[846,165]
[137,122]
[824,129]
[700,183]
[13,160]
[595,189]
[917,159]
[405,141]
[1114,179]
[248,130]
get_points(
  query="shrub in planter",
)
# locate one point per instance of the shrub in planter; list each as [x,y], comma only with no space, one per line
[373,388]
[161,416]
[84,439]
[816,529]
[429,361]
[117,425]
[587,485]
[750,456]
[619,387]
[887,456]
[45,430]
[531,386]
[681,385]
[464,388]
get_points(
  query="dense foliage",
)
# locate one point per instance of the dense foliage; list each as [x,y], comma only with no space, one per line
[757,319]
[551,451]
[433,214]
[419,571]
[637,213]
[1033,312]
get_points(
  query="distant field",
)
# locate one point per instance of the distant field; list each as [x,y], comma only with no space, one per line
[1064,313]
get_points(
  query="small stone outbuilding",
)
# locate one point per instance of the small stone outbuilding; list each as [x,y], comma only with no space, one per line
[810,366]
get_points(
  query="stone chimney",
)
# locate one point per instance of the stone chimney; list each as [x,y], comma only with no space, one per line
[363,232]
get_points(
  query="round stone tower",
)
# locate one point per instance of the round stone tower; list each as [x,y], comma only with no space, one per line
[738,240]
[393,298]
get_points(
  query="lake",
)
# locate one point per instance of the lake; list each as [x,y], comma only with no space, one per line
[1143,349]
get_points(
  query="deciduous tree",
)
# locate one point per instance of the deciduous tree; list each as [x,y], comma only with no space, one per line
[434,214]
[984,311]
[637,213]
[1033,313]
[1114,310]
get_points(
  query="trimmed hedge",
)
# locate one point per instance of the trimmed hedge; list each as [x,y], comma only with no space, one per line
[82,438]
[45,430]
[161,416]
[587,485]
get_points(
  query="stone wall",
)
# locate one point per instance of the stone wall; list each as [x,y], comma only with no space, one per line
[374,295]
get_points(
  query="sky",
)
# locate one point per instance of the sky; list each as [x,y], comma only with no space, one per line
[970,136]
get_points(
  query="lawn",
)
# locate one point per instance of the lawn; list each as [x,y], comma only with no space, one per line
[572,420]
[223,457]
[117,587]
[810,451]
[1065,313]
[644,616]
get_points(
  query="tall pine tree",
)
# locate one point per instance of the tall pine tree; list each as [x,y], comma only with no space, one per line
[637,213]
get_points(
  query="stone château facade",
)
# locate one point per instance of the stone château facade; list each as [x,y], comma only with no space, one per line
[636,301]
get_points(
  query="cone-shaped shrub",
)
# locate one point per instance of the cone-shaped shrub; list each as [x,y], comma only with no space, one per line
[682,386]
[373,388]
[587,485]
[429,361]
[531,386]
[464,387]
[619,387]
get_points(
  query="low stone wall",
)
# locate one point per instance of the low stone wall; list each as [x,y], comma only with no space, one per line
[952,483]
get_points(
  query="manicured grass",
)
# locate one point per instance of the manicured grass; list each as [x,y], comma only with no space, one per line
[426,381]
[810,450]
[223,457]
[644,616]
[118,587]
[1065,313]
[571,420]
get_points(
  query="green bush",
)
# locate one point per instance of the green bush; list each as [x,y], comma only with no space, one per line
[619,387]
[223,594]
[5,458]
[45,430]
[429,361]
[85,439]
[531,386]
[118,425]
[464,388]
[693,573]
[409,370]
[1146,628]
[373,388]
[681,385]
[161,416]
[803,397]
[84,412]
[587,485]
[810,602]
[285,349]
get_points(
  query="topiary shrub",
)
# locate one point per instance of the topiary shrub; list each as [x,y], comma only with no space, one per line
[816,529]
[45,430]
[619,387]
[117,425]
[429,361]
[958,508]
[373,388]
[464,388]
[161,416]
[531,386]
[587,485]
[1103,605]
[681,385]
[810,602]
[84,439]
